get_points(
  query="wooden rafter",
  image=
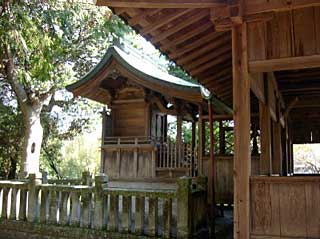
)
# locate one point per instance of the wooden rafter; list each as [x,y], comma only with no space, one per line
[164,20]
[161,3]
[218,59]
[223,71]
[185,23]
[184,37]
[195,44]
[213,47]
[139,17]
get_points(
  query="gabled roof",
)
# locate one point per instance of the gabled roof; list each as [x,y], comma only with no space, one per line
[138,64]
[137,67]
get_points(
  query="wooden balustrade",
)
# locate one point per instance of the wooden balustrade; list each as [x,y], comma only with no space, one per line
[171,156]
[152,213]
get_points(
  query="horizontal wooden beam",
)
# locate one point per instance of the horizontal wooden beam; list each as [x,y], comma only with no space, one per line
[161,3]
[258,6]
[289,63]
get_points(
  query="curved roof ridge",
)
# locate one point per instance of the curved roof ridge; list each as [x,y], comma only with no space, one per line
[143,67]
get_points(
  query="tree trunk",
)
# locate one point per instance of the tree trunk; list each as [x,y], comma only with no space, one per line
[33,134]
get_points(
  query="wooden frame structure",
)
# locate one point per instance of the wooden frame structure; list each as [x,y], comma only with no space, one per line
[260,57]
[140,96]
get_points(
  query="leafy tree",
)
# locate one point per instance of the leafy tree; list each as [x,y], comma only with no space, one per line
[10,133]
[44,45]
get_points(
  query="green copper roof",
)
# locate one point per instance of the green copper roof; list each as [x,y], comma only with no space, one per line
[139,65]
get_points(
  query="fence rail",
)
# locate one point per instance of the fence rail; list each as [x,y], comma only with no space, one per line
[152,213]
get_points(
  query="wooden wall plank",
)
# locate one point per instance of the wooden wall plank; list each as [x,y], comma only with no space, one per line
[257,40]
[279,36]
[292,210]
[265,209]
[286,207]
[304,32]
[313,210]
[273,225]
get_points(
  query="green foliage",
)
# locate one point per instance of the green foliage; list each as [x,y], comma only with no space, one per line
[54,41]
[175,70]
[10,134]
[49,44]
[80,154]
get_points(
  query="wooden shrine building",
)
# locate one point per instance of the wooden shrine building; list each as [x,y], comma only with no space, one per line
[140,96]
[262,59]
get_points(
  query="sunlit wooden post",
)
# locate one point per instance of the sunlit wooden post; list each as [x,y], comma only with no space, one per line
[242,152]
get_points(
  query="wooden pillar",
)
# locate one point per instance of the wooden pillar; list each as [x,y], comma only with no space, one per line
[179,136]
[193,145]
[212,166]
[242,154]
[201,141]
[104,123]
[277,144]
[265,139]
[193,135]
[284,151]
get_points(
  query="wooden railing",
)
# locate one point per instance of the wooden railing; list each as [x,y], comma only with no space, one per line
[172,156]
[161,154]
[151,213]
[139,140]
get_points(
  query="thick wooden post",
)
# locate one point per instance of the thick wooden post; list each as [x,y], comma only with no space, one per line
[242,154]
[265,139]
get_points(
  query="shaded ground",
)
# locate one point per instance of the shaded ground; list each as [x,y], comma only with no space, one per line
[224,225]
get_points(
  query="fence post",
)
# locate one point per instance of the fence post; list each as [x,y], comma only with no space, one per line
[184,207]
[101,182]
[33,197]
[86,198]
[202,203]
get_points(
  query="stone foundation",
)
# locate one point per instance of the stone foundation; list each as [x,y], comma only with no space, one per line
[26,230]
